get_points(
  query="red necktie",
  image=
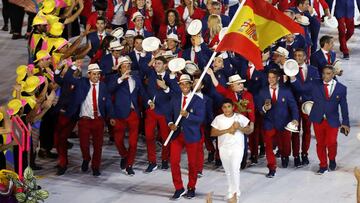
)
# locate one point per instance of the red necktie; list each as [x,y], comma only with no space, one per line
[116,61]
[328,58]
[248,73]
[273,97]
[195,57]
[94,101]
[184,102]
[302,76]
[327,95]
[101,38]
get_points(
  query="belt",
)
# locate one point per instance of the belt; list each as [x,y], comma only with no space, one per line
[88,118]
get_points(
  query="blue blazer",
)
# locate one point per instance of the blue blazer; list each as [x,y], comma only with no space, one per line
[329,108]
[345,9]
[299,42]
[318,59]
[302,91]
[106,64]
[202,56]
[210,90]
[82,88]
[162,99]
[190,126]
[282,112]
[257,81]
[123,98]
[67,93]
[306,28]
[95,43]
[146,33]
[139,67]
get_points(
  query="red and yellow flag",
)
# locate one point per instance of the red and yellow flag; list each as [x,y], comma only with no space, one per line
[256,27]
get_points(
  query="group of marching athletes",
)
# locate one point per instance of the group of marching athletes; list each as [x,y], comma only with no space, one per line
[136,84]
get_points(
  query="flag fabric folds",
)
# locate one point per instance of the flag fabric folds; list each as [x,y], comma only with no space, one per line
[255,27]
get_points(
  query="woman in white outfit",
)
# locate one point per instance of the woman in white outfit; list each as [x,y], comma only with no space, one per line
[230,128]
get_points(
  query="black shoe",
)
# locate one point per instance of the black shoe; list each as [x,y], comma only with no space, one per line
[271,174]
[152,167]
[218,163]
[200,174]
[262,152]
[178,194]
[123,163]
[96,172]
[190,193]
[346,56]
[35,167]
[69,145]
[164,165]
[211,157]
[16,36]
[85,166]
[284,162]
[297,162]
[5,28]
[321,171]
[305,160]
[277,155]
[253,161]
[47,154]
[332,165]
[130,171]
[61,171]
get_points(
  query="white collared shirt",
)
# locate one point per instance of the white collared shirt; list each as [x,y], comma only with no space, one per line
[187,99]
[141,31]
[194,50]
[139,54]
[276,91]
[331,86]
[252,68]
[325,54]
[86,108]
[200,94]
[101,33]
[304,69]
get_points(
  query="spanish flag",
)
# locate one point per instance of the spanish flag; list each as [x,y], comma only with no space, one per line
[255,27]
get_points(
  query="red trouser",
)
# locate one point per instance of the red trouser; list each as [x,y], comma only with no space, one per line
[152,120]
[200,153]
[176,148]
[132,123]
[284,144]
[346,30]
[63,129]
[94,128]
[305,138]
[326,137]
[254,137]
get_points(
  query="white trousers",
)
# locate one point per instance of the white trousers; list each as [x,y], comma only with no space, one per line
[231,157]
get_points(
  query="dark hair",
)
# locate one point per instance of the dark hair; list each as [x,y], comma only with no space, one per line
[101,18]
[177,18]
[300,50]
[325,39]
[274,71]
[215,3]
[139,37]
[161,58]
[327,66]
[298,2]
[227,101]
[100,5]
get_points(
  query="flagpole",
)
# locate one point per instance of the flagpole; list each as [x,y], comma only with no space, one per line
[202,76]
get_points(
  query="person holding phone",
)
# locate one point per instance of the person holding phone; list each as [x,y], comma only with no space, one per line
[328,94]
